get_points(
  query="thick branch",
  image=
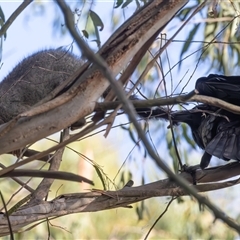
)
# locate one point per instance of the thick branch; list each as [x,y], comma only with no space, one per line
[99,200]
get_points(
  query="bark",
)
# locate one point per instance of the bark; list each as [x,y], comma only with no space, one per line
[99,200]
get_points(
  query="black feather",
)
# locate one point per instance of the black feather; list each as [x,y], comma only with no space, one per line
[215,130]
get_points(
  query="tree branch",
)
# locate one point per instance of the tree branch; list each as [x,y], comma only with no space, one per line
[98,200]
[184,98]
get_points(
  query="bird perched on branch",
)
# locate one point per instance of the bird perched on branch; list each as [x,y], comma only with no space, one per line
[215,130]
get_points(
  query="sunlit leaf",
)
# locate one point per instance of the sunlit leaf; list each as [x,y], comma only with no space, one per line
[96,20]
[138,4]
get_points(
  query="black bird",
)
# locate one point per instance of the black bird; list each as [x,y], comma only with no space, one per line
[215,130]
[226,88]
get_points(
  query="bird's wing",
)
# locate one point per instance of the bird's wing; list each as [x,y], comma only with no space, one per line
[226,143]
[223,87]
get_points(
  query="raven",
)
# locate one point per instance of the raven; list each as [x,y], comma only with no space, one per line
[215,130]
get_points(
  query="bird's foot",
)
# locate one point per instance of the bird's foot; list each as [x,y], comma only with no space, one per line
[192,171]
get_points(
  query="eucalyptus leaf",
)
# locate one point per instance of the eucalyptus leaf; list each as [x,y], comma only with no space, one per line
[118,3]
[188,41]
[85,33]
[97,21]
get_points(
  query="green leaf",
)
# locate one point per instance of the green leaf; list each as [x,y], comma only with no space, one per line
[2,21]
[85,33]
[183,14]
[187,138]
[100,176]
[96,20]
[210,31]
[122,179]
[118,3]
[2,14]
[140,210]
[131,134]
[143,180]
[130,176]
[133,138]
[189,41]
[97,41]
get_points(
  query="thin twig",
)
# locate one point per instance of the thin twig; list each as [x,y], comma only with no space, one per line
[161,215]
[15,14]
